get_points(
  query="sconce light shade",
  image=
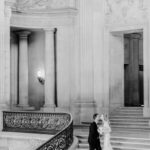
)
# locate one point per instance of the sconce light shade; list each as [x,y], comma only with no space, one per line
[41,76]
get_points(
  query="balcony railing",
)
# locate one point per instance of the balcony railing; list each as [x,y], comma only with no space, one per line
[58,124]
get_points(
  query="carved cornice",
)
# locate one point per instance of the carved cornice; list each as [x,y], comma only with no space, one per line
[41,21]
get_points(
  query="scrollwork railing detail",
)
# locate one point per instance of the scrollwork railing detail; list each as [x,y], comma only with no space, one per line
[62,141]
[60,124]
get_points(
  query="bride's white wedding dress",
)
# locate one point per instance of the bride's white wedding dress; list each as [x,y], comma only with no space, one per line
[106,131]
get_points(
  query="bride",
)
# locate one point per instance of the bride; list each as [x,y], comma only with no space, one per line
[105,130]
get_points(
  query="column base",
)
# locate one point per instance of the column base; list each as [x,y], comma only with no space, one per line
[62,109]
[75,111]
[87,109]
[146,111]
[4,107]
[48,108]
[23,108]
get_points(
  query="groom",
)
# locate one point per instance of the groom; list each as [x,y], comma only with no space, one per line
[93,139]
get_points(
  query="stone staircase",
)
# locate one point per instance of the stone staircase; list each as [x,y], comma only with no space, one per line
[130,130]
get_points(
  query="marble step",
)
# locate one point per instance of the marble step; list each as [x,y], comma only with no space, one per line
[121,144]
[124,130]
[124,125]
[133,140]
[130,108]
[129,120]
[127,113]
[84,139]
[131,126]
[128,116]
[123,121]
[129,123]
[129,130]
[120,129]
[131,145]
[81,126]
[116,148]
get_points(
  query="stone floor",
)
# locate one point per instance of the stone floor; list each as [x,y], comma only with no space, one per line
[23,141]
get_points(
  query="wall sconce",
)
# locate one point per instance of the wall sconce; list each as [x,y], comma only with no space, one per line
[41,76]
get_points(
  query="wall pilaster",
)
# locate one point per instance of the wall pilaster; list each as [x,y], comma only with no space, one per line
[49,70]
[86,60]
[7,12]
[2,54]
[146,36]
[99,58]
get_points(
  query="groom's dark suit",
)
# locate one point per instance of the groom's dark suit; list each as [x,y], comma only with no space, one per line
[93,139]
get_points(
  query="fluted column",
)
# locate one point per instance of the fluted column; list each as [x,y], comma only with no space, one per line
[23,68]
[49,70]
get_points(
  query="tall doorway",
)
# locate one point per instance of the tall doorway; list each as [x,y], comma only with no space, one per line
[133,69]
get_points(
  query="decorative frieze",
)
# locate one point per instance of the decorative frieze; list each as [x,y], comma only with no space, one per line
[44,5]
[126,11]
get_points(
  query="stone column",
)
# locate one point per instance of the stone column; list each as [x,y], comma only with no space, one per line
[23,68]
[49,70]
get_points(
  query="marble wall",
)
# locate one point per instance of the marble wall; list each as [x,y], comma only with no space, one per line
[87,59]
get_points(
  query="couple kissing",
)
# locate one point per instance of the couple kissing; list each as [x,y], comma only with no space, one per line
[99,128]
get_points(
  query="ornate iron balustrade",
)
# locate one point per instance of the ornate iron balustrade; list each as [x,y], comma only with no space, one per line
[60,124]
[62,141]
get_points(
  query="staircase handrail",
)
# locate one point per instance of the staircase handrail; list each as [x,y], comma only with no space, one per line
[59,124]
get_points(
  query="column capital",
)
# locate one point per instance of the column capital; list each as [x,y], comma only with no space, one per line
[49,30]
[23,34]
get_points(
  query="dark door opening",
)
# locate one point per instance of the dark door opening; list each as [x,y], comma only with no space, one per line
[133,69]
